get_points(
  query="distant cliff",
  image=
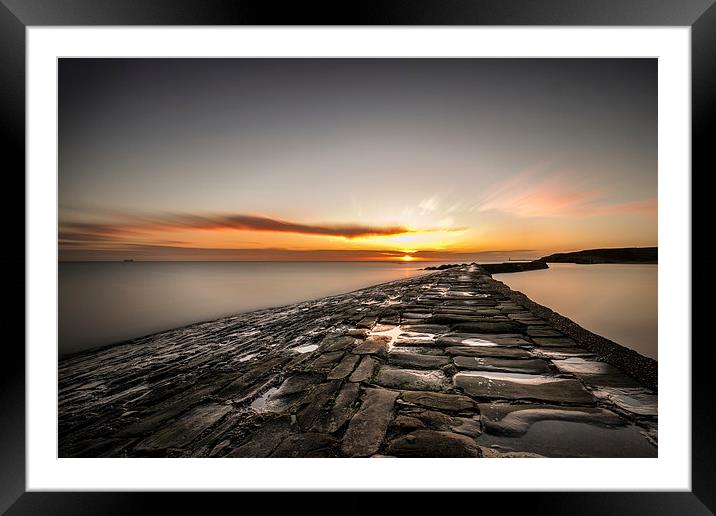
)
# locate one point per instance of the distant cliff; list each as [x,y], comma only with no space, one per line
[501,268]
[621,255]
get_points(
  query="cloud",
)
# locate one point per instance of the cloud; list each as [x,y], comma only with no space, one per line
[542,192]
[429,205]
[90,231]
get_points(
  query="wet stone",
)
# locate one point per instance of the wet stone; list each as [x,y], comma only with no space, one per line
[264,439]
[423,350]
[481,340]
[596,373]
[408,423]
[412,379]
[359,333]
[559,353]
[343,406]
[554,342]
[440,401]
[515,420]
[313,414]
[376,345]
[344,368]
[414,339]
[364,371]
[307,445]
[367,322]
[583,432]
[425,328]
[497,352]
[186,428]
[538,331]
[634,401]
[466,426]
[430,443]
[367,428]
[535,366]
[418,360]
[516,386]
[487,327]
[378,328]
[326,361]
[416,315]
[337,343]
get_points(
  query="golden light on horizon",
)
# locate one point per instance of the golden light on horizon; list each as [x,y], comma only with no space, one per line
[407,258]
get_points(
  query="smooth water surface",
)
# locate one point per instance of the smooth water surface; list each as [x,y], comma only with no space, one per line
[105,302]
[618,302]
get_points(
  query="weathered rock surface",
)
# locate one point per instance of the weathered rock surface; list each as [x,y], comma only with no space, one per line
[516,365]
[544,388]
[364,371]
[367,428]
[185,429]
[373,346]
[429,443]
[418,360]
[344,368]
[440,401]
[497,352]
[424,380]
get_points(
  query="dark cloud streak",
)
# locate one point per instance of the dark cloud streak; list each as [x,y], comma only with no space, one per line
[87,231]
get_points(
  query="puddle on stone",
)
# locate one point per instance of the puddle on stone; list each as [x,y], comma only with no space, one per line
[260,403]
[306,349]
[575,440]
[478,342]
[634,400]
[392,334]
[523,378]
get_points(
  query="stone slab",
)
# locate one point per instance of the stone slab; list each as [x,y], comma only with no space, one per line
[440,401]
[514,365]
[367,428]
[186,428]
[513,386]
[418,360]
[344,368]
[498,352]
[411,379]
[431,443]
[376,345]
[364,371]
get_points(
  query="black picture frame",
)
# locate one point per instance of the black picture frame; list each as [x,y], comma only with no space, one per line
[17,15]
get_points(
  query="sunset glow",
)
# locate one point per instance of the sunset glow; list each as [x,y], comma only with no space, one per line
[355,159]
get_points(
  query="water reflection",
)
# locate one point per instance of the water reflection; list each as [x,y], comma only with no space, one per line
[618,302]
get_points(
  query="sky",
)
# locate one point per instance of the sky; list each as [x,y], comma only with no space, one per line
[355,159]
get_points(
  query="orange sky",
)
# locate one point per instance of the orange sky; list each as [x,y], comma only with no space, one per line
[321,159]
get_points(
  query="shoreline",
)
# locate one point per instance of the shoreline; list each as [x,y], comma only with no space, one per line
[642,367]
[312,373]
[230,316]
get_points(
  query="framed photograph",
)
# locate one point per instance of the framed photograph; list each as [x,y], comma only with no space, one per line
[425,247]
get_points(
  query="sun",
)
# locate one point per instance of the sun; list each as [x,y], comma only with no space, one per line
[407,258]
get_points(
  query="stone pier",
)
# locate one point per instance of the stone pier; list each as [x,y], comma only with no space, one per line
[447,364]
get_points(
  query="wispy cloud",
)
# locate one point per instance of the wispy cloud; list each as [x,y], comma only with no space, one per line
[137,227]
[544,192]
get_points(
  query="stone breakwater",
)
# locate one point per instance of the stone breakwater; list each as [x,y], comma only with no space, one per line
[443,365]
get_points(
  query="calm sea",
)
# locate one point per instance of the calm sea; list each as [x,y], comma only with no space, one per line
[105,302]
[616,301]
[101,303]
